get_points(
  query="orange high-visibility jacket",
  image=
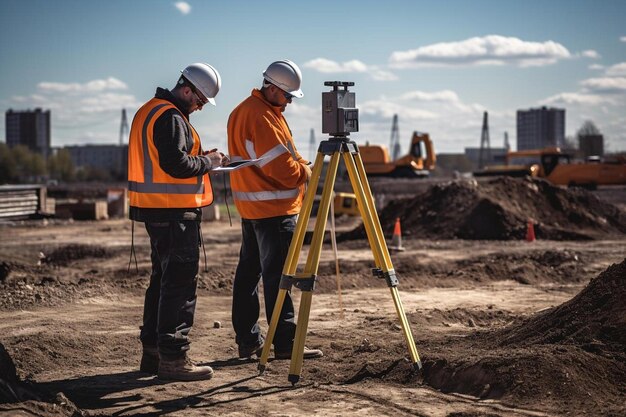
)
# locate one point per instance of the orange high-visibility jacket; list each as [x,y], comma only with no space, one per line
[274,187]
[148,185]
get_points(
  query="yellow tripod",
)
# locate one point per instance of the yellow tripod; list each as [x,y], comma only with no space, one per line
[305,281]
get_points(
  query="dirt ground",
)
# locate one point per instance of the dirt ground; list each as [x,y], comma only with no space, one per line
[503,328]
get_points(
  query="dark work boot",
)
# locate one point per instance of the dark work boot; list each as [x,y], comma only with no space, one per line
[246,352]
[308,354]
[149,360]
[182,369]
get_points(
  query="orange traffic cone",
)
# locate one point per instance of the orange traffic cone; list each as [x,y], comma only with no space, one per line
[530,231]
[396,239]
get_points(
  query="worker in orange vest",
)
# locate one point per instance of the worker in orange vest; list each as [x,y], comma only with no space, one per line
[168,185]
[268,197]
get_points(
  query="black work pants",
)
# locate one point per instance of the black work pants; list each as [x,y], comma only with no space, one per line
[170,300]
[263,252]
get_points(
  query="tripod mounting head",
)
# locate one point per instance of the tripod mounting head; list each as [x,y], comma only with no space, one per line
[337,84]
[339,114]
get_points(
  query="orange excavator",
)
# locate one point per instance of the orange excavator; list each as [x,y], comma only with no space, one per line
[558,168]
[416,164]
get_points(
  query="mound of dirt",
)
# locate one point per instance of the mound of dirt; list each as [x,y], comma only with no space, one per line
[499,209]
[575,350]
[65,254]
[595,319]
[30,397]
[8,377]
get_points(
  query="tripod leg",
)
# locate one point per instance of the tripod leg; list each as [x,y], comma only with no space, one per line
[289,269]
[365,201]
[280,300]
[310,270]
[297,352]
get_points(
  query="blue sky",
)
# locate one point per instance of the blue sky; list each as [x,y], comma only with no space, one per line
[437,64]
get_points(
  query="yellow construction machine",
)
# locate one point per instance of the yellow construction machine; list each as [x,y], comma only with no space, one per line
[558,168]
[417,163]
[345,203]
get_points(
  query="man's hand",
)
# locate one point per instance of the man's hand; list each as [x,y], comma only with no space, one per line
[217,158]
[307,170]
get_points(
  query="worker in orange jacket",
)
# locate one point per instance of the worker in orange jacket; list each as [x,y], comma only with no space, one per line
[168,185]
[268,197]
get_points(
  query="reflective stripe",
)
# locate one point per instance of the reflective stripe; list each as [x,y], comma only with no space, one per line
[292,150]
[265,195]
[165,188]
[272,154]
[147,162]
[250,149]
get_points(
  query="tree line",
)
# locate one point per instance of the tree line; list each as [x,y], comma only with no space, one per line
[20,165]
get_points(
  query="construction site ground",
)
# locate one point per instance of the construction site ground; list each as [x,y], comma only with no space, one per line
[483,314]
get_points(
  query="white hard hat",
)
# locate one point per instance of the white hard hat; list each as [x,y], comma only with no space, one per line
[205,78]
[285,75]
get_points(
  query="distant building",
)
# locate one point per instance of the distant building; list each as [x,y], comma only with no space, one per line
[109,158]
[591,145]
[498,155]
[30,128]
[451,164]
[540,128]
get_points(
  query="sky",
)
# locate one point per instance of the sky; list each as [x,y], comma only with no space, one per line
[437,64]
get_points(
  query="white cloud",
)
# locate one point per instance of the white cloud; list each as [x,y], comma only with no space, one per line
[600,99]
[590,53]
[622,39]
[105,102]
[487,50]
[451,123]
[576,98]
[617,70]
[183,7]
[605,85]
[385,109]
[596,67]
[303,111]
[89,112]
[444,97]
[328,66]
[382,75]
[603,109]
[91,86]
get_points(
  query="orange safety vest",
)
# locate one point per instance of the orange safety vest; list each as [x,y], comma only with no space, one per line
[275,186]
[148,185]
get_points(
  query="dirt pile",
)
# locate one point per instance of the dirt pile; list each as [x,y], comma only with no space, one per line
[48,276]
[595,319]
[30,397]
[573,353]
[499,209]
[68,253]
[8,377]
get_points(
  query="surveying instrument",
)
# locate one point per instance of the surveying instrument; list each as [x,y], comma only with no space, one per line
[339,118]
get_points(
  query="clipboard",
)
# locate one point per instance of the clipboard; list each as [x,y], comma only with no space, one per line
[235,165]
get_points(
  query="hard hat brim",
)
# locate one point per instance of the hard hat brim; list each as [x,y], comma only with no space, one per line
[212,100]
[297,93]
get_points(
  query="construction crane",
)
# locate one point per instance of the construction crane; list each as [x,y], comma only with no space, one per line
[124,131]
[484,154]
[394,141]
